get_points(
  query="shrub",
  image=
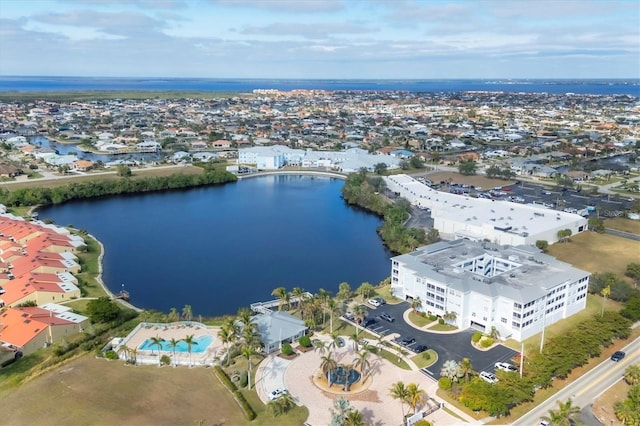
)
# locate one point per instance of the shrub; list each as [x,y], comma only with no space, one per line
[426,355]
[476,337]
[305,341]
[287,349]
[243,379]
[423,314]
[422,422]
[110,354]
[246,408]
[165,360]
[433,317]
[444,383]
[486,342]
[440,321]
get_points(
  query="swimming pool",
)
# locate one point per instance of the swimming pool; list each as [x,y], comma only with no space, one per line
[199,345]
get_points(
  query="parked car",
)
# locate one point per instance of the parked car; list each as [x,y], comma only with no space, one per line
[375,302]
[387,317]
[420,348]
[406,341]
[617,356]
[277,394]
[368,322]
[505,366]
[349,315]
[488,377]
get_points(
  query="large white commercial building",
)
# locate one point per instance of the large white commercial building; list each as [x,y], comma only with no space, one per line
[517,290]
[501,222]
[276,156]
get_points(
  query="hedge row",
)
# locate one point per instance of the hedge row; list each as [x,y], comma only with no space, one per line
[240,399]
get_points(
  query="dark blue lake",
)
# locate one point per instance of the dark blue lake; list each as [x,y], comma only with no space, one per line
[221,248]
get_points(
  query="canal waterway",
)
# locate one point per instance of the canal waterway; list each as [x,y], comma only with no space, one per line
[224,247]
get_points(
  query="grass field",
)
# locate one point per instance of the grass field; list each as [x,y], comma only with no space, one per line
[110,175]
[422,361]
[621,224]
[595,252]
[96,391]
[593,308]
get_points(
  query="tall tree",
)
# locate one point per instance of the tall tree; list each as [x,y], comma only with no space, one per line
[173,343]
[190,341]
[365,290]
[450,370]
[399,391]
[282,295]
[416,304]
[465,368]
[415,396]
[187,313]
[363,363]
[156,341]
[564,415]
[248,353]
[327,365]
[298,293]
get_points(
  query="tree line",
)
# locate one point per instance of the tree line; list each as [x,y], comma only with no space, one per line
[99,188]
[364,191]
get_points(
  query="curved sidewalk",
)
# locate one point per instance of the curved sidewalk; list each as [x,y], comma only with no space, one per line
[425,328]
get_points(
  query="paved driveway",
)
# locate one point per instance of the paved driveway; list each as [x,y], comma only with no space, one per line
[448,346]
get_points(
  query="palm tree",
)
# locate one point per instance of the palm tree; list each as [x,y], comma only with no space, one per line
[335,340]
[354,338]
[450,317]
[563,416]
[189,340]
[353,418]
[328,364]
[365,290]
[187,313]
[173,315]
[450,369]
[298,293]
[227,336]
[362,362]
[248,352]
[320,346]
[280,293]
[415,396]
[133,355]
[324,296]
[125,350]
[359,314]
[632,374]
[172,344]
[399,391]
[416,304]
[465,368]
[495,334]
[156,341]
[332,305]
[285,402]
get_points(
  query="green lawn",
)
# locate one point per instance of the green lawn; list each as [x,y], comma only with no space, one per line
[594,307]
[418,319]
[392,358]
[423,361]
[443,327]
[385,293]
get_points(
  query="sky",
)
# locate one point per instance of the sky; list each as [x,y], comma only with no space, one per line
[321,39]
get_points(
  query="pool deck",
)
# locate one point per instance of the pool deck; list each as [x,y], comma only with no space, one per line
[178,331]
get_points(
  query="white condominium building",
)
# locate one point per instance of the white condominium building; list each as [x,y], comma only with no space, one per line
[518,290]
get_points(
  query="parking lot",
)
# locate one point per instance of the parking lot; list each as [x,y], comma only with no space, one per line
[453,346]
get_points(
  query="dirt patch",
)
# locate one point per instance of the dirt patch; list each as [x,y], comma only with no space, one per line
[603,406]
[101,392]
[475,180]
[288,357]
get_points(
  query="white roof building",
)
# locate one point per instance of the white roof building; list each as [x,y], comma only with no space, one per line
[518,290]
[501,222]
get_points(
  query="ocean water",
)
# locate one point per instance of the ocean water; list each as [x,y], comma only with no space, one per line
[44,83]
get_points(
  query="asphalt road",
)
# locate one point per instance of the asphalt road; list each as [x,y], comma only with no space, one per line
[587,388]
[448,346]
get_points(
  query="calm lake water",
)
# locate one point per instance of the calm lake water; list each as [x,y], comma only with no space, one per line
[221,248]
